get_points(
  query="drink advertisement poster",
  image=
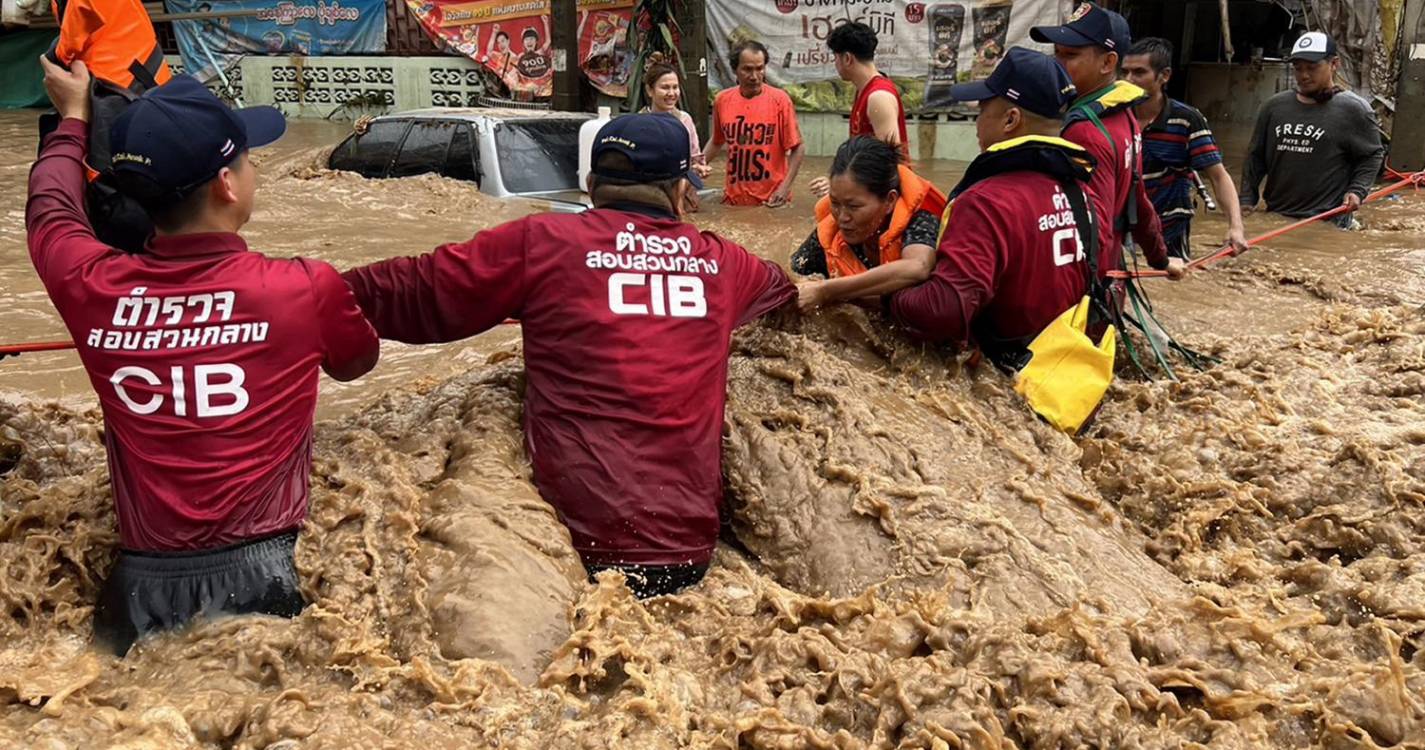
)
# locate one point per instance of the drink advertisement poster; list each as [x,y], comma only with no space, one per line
[934,44]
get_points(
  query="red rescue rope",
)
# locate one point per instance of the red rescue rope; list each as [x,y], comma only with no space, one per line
[1415,180]
[49,346]
[39,346]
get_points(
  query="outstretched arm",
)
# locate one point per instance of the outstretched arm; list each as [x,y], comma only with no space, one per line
[1226,194]
[450,293]
[913,267]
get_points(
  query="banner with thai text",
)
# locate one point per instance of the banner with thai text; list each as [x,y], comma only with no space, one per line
[938,43]
[299,27]
[510,38]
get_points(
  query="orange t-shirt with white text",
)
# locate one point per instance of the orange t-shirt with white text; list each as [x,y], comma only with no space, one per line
[758,133]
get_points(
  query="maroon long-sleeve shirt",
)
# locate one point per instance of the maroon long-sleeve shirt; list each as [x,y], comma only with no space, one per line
[204,356]
[627,316]
[1111,186]
[1009,263]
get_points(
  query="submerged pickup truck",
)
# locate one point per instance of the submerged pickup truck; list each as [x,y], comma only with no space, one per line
[507,153]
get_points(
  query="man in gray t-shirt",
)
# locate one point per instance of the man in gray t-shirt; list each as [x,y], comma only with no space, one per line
[1318,147]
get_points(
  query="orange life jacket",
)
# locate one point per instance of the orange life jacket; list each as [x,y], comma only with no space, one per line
[916,194]
[112,37]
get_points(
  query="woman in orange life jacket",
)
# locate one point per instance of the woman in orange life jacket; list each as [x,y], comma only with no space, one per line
[876,231]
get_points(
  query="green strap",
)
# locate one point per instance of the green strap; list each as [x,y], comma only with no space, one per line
[1143,326]
[1093,118]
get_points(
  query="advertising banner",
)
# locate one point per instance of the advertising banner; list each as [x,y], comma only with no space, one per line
[510,38]
[300,27]
[934,43]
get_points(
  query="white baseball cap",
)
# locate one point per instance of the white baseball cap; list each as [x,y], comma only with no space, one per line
[1313,46]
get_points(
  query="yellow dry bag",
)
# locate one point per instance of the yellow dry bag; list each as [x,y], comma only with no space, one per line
[1068,374]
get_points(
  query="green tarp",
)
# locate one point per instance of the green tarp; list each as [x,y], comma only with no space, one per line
[23,82]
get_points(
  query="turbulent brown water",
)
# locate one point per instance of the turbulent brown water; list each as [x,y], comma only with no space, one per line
[1236,560]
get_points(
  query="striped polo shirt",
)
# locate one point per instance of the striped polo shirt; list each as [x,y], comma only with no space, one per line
[1178,141]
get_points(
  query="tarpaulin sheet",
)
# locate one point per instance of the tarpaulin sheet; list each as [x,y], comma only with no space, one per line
[23,82]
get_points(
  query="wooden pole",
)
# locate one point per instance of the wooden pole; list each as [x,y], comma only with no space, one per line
[693,49]
[564,49]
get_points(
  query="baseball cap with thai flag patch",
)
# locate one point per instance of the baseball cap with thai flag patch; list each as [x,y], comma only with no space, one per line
[178,136]
[655,144]
[1089,25]
[1032,80]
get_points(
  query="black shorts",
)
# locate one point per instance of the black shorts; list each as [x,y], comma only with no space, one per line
[654,580]
[148,592]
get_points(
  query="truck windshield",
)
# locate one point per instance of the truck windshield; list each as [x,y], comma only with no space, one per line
[538,155]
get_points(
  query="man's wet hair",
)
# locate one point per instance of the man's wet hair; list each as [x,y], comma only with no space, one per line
[871,162]
[734,58]
[1158,50]
[170,211]
[610,189]
[854,37]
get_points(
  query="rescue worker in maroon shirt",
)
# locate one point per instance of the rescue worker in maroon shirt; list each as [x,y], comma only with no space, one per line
[627,314]
[1012,254]
[1101,120]
[204,355]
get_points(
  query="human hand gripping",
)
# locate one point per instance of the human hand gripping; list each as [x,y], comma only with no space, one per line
[811,295]
[1237,240]
[68,89]
[781,197]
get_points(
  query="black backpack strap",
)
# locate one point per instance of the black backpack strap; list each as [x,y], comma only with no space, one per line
[1011,356]
[52,54]
[1130,211]
[1094,287]
[145,73]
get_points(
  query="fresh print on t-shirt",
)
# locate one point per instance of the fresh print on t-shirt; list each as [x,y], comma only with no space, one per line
[1298,138]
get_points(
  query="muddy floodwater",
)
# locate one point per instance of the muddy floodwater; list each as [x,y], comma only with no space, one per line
[1232,560]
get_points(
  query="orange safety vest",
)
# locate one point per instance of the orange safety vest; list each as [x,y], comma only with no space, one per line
[114,38]
[916,194]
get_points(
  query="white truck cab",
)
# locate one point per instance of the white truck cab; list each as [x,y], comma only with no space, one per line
[507,153]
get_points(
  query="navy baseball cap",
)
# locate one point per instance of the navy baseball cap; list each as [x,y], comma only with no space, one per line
[178,136]
[1313,46]
[655,142]
[1089,25]
[1032,80]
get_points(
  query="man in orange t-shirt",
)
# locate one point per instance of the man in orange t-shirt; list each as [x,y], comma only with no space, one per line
[759,127]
